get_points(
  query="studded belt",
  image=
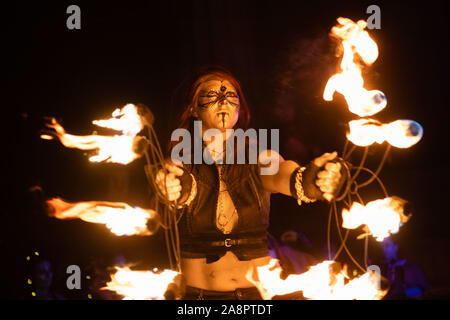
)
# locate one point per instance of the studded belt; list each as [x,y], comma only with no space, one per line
[228,243]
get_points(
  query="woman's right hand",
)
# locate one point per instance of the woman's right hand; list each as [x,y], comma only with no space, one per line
[172,186]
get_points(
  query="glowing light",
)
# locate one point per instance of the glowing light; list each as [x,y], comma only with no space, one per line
[119,217]
[140,285]
[403,133]
[126,120]
[381,217]
[118,148]
[400,133]
[349,81]
[324,281]
[46,137]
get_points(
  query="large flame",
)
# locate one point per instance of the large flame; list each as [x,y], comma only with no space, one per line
[349,81]
[356,42]
[126,120]
[118,148]
[140,285]
[400,133]
[118,217]
[323,281]
[381,217]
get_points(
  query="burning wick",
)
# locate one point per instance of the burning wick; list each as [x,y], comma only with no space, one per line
[399,133]
[123,148]
[119,217]
[46,137]
[380,218]
[349,81]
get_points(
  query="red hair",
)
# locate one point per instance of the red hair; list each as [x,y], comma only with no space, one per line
[203,75]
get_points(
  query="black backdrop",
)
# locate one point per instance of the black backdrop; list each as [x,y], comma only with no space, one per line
[143,51]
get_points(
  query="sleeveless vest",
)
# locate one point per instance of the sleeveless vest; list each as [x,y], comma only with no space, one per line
[199,235]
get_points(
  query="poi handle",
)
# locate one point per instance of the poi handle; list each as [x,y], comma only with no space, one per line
[310,188]
[343,171]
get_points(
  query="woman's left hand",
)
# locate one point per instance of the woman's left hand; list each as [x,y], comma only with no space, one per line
[328,179]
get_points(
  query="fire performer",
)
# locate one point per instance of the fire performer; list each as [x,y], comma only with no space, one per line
[223,229]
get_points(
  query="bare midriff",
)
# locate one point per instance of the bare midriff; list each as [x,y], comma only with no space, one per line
[226,274]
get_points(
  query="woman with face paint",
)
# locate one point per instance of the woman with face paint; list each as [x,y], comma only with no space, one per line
[223,230]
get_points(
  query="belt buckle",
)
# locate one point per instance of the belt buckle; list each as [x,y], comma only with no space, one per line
[227,243]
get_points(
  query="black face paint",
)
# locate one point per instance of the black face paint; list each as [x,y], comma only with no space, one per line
[212,97]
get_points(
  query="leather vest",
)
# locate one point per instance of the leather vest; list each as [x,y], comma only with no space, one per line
[199,235]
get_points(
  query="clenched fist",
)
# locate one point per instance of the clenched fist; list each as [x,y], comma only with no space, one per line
[172,186]
[329,178]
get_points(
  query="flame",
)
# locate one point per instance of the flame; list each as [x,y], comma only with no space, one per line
[349,81]
[400,133]
[381,217]
[403,133]
[126,120]
[321,282]
[117,148]
[140,285]
[118,217]
[46,137]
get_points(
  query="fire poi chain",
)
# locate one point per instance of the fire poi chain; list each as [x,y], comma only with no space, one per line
[379,218]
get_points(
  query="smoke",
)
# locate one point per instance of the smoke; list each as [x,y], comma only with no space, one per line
[306,67]
[301,77]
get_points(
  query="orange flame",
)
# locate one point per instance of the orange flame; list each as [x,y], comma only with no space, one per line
[118,217]
[400,133]
[381,217]
[349,81]
[140,285]
[126,120]
[46,137]
[116,149]
[320,282]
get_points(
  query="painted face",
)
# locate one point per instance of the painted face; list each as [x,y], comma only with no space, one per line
[217,105]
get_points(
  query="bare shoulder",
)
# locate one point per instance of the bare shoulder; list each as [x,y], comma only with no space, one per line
[269,162]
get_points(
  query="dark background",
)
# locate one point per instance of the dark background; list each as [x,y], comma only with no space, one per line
[143,52]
